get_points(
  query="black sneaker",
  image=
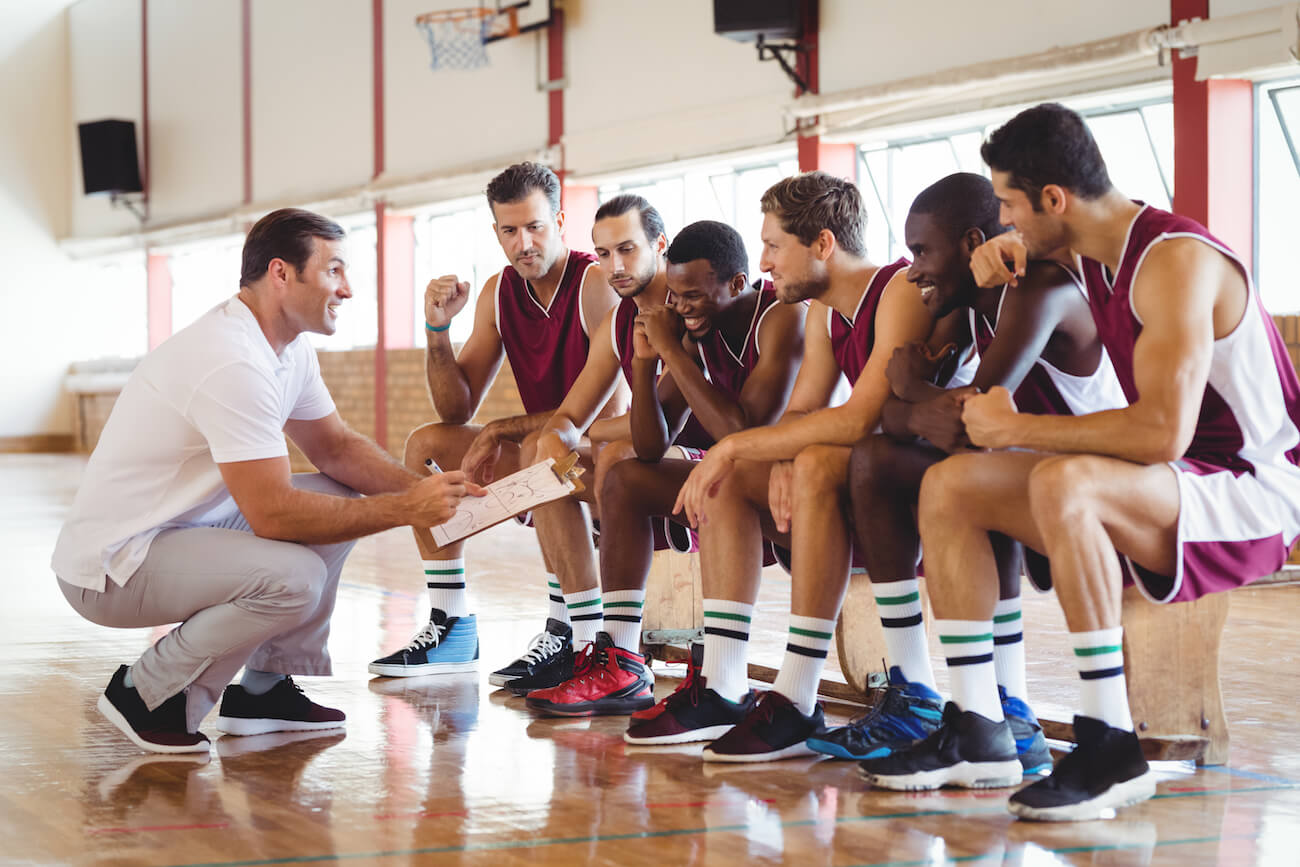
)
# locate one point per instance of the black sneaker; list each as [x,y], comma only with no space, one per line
[547,662]
[691,713]
[445,646]
[161,730]
[282,708]
[773,729]
[1104,772]
[968,750]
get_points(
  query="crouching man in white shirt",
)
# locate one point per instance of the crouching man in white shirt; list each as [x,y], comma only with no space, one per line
[188,511]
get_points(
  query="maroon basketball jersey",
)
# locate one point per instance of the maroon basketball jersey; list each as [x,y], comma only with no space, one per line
[547,346]
[1250,412]
[1037,393]
[853,340]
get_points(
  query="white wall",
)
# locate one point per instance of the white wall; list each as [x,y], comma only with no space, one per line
[52,314]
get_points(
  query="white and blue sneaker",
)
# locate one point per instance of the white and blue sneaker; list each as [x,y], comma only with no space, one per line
[446,645]
[1031,746]
[906,713]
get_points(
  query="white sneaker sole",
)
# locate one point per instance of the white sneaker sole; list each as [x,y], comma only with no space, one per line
[114,716]
[263,726]
[497,679]
[418,670]
[968,775]
[1119,795]
[712,733]
[793,751]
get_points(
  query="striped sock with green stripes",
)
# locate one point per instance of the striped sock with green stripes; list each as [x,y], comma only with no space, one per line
[556,609]
[1009,648]
[1104,691]
[968,647]
[446,582]
[623,617]
[726,647]
[899,604]
[585,615]
[805,657]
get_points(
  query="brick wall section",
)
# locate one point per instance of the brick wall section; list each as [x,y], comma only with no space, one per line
[350,377]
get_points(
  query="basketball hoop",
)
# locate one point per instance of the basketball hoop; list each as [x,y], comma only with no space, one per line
[458,37]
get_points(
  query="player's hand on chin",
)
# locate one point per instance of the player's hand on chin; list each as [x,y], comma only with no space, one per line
[703,482]
[990,419]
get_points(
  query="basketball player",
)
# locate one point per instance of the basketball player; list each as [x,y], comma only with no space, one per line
[729,353]
[1194,484]
[1036,339]
[789,479]
[536,313]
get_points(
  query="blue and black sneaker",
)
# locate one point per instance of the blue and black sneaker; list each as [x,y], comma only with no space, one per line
[1035,757]
[907,712]
[446,645]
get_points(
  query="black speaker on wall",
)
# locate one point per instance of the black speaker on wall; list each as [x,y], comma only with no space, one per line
[108,159]
[746,20]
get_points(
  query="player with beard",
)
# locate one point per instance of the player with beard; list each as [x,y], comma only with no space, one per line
[1036,339]
[729,353]
[536,313]
[1195,484]
[790,479]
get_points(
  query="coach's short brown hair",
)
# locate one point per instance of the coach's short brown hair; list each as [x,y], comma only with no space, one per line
[287,234]
[808,202]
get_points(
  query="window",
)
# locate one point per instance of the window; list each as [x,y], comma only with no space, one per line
[203,275]
[455,239]
[1277,167]
[112,293]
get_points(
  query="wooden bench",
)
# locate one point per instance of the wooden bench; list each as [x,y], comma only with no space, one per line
[1171,656]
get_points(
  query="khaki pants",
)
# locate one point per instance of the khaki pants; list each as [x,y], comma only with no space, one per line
[240,600]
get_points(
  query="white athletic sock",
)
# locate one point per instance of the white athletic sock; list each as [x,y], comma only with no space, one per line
[446,582]
[726,645]
[555,608]
[1104,693]
[805,657]
[584,614]
[899,604]
[623,617]
[1009,648]
[968,647]
[259,682]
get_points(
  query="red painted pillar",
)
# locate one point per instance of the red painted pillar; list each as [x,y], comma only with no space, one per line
[1214,147]
[383,242]
[158,277]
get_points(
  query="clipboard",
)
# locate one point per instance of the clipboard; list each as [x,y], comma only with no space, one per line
[512,495]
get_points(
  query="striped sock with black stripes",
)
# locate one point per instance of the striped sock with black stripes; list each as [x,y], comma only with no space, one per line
[623,617]
[556,609]
[445,580]
[805,657]
[1103,692]
[726,646]
[585,615]
[1009,648]
[899,604]
[968,647]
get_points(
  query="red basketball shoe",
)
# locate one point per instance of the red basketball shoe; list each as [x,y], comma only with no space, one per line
[616,681]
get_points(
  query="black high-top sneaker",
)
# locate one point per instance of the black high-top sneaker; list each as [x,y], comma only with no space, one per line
[547,662]
[1104,772]
[967,750]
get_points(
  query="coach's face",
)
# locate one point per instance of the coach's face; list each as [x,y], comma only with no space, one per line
[312,296]
[797,273]
[627,258]
[530,234]
[1041,226]
[940,265]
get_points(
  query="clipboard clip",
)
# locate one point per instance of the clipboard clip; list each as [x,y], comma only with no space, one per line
[567,470]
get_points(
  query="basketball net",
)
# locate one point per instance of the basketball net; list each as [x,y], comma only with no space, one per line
[458,37]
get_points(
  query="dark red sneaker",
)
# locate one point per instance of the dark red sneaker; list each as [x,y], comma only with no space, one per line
[616,681]
[693,667]
[773,729]
[161,730]
[282,708]
[693,712]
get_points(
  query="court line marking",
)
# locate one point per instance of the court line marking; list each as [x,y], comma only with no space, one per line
[499,845]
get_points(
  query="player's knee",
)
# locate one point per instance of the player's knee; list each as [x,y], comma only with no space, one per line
[289,583]
[617,484]
[611,455]
[424,443]
[868,463]
[819,468]
[942,500]
[1059,488]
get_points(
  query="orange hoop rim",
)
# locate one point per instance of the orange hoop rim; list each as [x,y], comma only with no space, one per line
[471,13]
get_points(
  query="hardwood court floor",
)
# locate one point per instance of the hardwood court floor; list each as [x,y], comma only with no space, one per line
[445,770]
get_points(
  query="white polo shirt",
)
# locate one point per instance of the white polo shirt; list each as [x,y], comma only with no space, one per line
[213,393]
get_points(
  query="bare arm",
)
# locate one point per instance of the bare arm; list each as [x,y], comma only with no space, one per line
[348,457]
[457,383]
[819,372]
[1185,295]
[562,430]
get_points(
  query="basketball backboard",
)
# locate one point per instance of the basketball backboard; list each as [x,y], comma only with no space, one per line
[530,14]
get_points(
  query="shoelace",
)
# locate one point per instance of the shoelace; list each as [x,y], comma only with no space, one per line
[690,686]
[542,645]
[591,664]
[427,637]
